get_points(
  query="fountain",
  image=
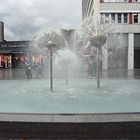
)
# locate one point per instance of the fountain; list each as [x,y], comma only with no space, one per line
[51,41]
[66,61]
[78,110]
[80,95]
[96,31]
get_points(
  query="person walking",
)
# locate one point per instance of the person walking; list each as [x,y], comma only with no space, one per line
[91,67]
[28,70]
[39,71]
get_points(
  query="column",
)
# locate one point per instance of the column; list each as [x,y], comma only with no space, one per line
[0,62]
[1,31]
[130,51]
[130,18]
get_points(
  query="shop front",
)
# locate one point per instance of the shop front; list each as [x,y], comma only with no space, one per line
[19,59]
[14,53]
[5,61]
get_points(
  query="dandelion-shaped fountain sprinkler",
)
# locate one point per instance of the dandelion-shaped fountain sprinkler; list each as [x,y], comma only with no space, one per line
[96,31]
[51,41]
[98,41]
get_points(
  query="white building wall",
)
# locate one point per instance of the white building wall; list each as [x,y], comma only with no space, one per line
[120,7]
[127,28]
[131,51]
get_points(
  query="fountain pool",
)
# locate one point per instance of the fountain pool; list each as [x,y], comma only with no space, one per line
[80,96]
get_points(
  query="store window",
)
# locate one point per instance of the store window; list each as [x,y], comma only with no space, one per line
[5,61]
[18,60]
[36,59]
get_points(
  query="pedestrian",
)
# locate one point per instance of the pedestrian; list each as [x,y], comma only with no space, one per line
[28,70]
[91,67]
[39,71]
[14,63]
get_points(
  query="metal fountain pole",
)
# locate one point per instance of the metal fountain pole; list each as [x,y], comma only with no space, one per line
[98,68]
[51,71]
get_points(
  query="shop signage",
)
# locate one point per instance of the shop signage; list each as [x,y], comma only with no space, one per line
[16,44]
[13,45]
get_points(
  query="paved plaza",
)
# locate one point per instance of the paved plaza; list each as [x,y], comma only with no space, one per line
[20,74]
[17,74]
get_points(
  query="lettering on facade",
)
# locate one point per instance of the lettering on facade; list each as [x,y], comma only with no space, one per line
[12,45]
[3,46]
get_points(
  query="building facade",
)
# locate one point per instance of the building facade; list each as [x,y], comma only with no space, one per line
[125,17]
[15,53]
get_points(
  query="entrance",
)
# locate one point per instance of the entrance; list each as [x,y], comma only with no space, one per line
[137,58]
[18,60]
[137,62]
[5,61]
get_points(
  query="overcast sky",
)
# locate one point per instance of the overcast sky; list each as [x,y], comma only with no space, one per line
[24,19]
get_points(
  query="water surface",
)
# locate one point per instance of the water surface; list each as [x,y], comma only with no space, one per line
[79,96]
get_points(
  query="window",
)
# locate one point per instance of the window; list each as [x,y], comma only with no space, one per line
[136,1]
[125,18]
[106,18]
[115,0]
[119,18]
[135,18]
[113,18]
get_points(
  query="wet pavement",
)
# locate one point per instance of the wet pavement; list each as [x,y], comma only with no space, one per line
[20,74]
[17,74]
